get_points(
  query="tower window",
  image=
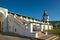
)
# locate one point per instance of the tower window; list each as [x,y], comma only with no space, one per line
[15,29]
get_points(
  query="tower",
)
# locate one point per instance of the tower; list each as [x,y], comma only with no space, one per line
[45,17]
[3,19]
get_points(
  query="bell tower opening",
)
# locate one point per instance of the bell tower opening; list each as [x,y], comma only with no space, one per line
[1,21]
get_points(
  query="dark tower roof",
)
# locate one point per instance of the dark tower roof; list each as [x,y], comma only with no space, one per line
[45,13]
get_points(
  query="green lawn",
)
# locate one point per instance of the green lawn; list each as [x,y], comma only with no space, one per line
[57,32]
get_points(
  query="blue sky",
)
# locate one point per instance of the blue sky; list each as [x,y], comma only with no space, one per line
[34,8]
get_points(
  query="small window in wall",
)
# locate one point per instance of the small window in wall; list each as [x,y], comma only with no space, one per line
[34,27]
[15,29]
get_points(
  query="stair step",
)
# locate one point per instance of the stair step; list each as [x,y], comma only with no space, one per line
[40,34]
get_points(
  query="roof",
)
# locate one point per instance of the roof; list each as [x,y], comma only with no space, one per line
[45,13]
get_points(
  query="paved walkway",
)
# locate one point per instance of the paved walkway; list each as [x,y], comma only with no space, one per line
[4,37]
[12,36]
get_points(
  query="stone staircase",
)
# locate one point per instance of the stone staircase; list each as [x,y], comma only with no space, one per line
[52,38]
[49,37]
[46,37]
[39,34]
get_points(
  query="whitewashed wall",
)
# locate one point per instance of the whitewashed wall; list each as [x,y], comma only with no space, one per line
[47,27]
[5,22]
[20,29]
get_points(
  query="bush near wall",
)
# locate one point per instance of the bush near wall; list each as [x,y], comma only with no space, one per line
[56,32]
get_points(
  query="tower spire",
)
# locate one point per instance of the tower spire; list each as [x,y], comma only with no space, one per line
[45,17]
[45,13]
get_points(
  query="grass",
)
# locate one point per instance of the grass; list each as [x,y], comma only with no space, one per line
[57,32]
